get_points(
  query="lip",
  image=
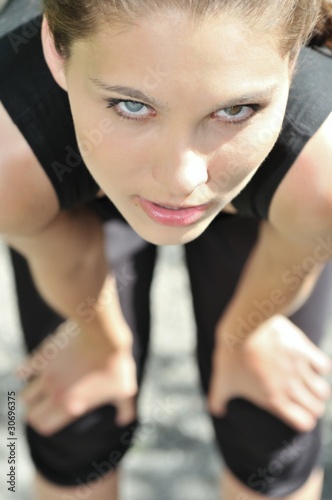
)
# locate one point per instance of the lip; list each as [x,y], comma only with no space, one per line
[171,215]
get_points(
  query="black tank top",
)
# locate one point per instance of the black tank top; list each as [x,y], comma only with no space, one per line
[309,104]
[41,111]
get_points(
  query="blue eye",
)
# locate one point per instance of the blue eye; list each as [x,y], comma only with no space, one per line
[132,106]
[130,110]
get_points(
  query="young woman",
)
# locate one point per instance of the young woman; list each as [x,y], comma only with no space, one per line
[202,123]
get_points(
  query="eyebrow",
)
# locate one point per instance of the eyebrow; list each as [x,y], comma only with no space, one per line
[257,96]
[129,92]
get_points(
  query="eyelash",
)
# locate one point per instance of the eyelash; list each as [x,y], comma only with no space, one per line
[112,103]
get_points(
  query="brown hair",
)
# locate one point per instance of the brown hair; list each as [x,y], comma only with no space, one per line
[294,21]
[322,34]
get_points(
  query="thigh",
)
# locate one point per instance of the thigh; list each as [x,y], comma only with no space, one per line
[92,445]
[263,452]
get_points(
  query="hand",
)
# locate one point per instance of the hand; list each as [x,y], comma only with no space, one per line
[278,369]
[84,374]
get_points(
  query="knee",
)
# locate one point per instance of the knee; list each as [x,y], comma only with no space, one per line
[268,457]
[85,451]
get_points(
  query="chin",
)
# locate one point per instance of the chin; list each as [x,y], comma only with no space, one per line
[163,236]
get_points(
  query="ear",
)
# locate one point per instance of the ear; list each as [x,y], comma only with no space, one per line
[54,60]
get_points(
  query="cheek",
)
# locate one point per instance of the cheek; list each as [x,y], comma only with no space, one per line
[113,162]
[99,139]
[101,144]
[239,159]
[119,156]
[258,141]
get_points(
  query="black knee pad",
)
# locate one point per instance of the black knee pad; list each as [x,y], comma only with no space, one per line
[84,451]
[265,454]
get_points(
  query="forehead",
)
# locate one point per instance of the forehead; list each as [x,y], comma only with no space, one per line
[176,49]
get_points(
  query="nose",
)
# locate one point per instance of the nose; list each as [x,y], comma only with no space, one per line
[181,172]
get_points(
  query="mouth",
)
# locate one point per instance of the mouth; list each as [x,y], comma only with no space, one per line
[170,215]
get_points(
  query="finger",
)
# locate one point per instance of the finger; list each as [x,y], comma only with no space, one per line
[322,363]
[89,392]
[47,418]
[94,390]
[295,415]
[33,392]
[302,396]
[126,411]
[315,383]
[319,361]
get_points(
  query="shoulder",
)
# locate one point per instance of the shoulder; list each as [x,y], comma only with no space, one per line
[304,133]
[28,201]
[302,204]
[310,97]
[41,111]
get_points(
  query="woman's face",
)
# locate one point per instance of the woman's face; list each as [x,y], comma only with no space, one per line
[174,117]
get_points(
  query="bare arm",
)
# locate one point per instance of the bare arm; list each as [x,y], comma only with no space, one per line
[259,353]
[69,267]
[64,250]
[297,233]
[66,255]
[278,278]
